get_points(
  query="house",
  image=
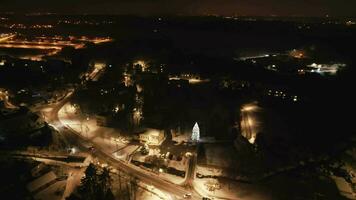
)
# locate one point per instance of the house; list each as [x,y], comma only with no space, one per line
[152,137]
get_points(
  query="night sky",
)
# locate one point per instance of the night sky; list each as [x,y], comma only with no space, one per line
[186,7]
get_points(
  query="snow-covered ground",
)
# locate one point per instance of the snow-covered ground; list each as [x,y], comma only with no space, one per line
[41,181]
[139,157]
[168,177]
[179,165]
[344,187]
[53,192]
[107,145]
[218,160]
[223,156]
[73,181]
[125,152]
[143,194]
[228,190]
[171,178]
[103,137]
[209,171]
[108,139]
[180,138]
[146,192]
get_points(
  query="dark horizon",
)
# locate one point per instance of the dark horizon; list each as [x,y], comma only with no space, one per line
[177,99]
[313,8]
[345,17]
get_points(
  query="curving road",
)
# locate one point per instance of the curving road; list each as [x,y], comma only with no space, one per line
[51,116]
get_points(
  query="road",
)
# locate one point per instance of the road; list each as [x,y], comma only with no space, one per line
[7,37]
[247,129]
[249,124]
[75,138]
[6,42]
[73,181]
[192,162]
[51,116]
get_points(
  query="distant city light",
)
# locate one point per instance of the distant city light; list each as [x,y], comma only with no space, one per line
[325,68]
[295,98]
[116,109]
[142,64]
[191,78]
[297,53]
[349,23]
[54,44]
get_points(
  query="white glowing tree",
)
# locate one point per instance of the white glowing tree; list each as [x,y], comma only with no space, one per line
[196,132]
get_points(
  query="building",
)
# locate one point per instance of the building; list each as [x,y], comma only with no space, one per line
[19,120]
[152,137]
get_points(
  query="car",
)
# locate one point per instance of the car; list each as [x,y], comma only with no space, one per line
[187,196]
[206,198]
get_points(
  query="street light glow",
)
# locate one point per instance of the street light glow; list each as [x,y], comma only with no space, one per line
[249,108]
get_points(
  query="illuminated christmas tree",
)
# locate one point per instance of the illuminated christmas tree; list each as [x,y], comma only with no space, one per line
[196,132]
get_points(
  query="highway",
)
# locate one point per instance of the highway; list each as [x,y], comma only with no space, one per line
[6,37]
[80,43]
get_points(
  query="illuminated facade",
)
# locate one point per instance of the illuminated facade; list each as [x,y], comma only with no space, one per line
[152,137]
[195,132]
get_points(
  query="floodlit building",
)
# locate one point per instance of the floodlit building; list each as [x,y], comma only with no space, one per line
[196,132]
[152,137]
